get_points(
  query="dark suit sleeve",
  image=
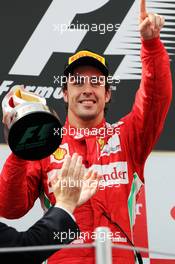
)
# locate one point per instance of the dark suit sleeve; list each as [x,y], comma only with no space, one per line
[56,227]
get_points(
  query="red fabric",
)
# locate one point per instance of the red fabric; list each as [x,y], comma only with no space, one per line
[162,261]
[140,228]
[117,157]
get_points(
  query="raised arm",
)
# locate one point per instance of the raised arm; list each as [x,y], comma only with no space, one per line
[153,98]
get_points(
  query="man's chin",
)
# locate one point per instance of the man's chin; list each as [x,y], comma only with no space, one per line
[87,117]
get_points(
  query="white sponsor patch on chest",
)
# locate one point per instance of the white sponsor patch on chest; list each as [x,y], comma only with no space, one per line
[113,173]
[112,146]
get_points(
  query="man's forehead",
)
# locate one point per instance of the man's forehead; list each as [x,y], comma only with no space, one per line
[87,70]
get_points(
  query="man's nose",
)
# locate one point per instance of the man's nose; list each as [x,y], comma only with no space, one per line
[87,88]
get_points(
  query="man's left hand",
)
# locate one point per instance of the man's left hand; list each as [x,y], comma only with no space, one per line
[149,24]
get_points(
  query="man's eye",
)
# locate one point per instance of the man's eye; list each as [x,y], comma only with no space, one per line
[97,81]
[78,80]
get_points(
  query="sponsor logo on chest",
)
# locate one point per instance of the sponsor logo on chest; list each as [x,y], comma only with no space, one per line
[59,155]
[112,146]
[113,173]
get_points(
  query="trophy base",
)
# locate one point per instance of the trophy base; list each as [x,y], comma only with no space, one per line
[33,137]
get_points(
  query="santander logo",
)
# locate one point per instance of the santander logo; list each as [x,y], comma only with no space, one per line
[116,174]
[113,173]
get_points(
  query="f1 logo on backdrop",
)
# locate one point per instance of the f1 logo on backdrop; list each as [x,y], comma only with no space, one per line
[40,51]
[44,41]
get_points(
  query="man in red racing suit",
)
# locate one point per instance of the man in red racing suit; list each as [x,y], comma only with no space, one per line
[118,152]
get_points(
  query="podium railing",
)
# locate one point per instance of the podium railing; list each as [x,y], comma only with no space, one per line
[103,247]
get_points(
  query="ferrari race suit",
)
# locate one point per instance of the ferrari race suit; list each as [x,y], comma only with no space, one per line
[118,152]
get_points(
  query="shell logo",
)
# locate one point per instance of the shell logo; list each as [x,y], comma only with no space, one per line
[101,142]
[60,153]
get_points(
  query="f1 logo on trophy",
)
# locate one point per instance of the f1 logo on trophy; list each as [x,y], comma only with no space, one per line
[29,124]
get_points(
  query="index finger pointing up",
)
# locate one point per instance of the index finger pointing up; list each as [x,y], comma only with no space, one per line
[143,13]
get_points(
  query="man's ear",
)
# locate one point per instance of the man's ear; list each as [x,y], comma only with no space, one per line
[107,96]
[65,96]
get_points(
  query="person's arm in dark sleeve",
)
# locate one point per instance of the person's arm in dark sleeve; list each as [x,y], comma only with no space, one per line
[56,227]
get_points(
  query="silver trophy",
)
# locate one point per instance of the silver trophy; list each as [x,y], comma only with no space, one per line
[30,125]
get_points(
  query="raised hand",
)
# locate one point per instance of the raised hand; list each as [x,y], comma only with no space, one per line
[67,184]
[71,188]
[89,187]
[149,24]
